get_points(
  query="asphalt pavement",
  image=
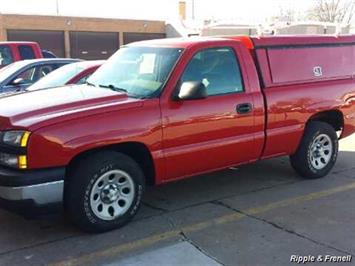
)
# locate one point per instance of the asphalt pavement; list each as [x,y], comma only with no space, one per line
[257,214]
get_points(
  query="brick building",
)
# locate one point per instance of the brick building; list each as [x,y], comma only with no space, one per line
[86,38]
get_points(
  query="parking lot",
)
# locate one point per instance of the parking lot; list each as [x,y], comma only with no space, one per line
[258,214]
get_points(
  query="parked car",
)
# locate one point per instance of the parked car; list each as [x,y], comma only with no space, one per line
[48,54]
[160,111]
[75,73]
[15,51]
[22,74]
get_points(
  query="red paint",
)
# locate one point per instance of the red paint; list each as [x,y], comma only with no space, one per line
[298,64]
[86,72]
[191,137]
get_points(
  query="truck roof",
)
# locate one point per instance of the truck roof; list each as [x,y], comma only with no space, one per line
[175,42]
[18,42]
[253,42]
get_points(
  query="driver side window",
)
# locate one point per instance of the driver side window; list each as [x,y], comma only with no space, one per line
[217,69]
[27,75]
[33,74]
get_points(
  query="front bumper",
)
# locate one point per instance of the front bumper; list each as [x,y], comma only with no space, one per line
[30,190]
[40,194]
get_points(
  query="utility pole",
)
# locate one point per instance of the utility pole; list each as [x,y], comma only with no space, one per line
[193,9]
[57,6]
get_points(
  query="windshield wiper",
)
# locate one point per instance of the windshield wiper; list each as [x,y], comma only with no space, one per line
[114,88]
[90,84]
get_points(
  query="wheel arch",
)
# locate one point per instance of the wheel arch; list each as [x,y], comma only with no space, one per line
[335,118]
[138,151]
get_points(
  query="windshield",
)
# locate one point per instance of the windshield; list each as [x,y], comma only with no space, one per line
[10,69]
[140,71]
[58,77]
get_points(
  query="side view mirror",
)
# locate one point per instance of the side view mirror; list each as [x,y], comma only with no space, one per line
[18,81]
[192,90]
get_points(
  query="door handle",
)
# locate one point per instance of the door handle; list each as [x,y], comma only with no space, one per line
[244,108]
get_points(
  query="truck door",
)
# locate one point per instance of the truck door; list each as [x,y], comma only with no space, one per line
[215,132]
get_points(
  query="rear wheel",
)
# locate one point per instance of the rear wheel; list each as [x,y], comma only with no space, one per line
[104,191]
[318,151]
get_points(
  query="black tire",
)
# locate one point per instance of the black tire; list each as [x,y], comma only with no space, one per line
[79,185]
[301,160]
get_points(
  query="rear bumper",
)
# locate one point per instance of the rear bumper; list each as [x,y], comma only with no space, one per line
[31,190]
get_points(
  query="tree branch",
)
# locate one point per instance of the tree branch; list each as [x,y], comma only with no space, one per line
[336,11]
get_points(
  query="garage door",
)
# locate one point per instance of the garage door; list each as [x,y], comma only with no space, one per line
[48,40]
[93,45]
[135,37]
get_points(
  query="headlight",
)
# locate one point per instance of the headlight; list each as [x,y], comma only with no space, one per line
[16,138]
[14,156]
[13,160]
[9,159]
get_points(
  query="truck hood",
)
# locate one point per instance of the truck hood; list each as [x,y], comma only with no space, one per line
[35,109]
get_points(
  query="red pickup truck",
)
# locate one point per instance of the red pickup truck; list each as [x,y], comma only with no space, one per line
[15,51]
[159,111]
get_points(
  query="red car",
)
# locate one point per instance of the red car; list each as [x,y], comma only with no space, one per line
[75,73]
[16,51]
[159,111]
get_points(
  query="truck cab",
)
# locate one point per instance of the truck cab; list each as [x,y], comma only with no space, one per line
[15,51]
[159,111]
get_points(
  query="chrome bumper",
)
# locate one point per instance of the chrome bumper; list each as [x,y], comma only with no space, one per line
[41,194]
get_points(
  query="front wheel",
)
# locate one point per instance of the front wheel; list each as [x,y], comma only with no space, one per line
[104,191]
[318,151]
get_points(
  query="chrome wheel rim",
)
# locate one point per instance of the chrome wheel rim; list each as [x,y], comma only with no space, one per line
[112,195]
[321,151]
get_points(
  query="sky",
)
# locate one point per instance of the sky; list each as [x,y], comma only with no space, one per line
[246,10]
